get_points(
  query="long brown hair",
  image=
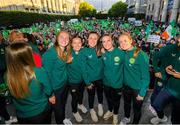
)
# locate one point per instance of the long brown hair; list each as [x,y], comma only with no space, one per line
[20,66]
[98,45]
[101,42]
[65,55]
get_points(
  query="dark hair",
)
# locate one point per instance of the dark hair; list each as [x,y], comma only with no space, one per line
[77,36]
[93,32]
[30,38]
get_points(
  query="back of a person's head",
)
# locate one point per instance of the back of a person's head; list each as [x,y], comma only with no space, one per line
[30,38]
[20,66]
[19,52]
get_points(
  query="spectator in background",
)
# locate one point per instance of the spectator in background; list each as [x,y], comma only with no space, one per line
[13,36]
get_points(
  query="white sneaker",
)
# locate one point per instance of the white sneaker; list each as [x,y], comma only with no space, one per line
[77,116]
[93,115]
[67,122]
[82,108]
[107,115]
[125,121]
[153,111]
[11,120]
[157,120]
[115,119]
[100,110]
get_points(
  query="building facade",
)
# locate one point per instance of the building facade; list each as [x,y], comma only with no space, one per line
[163,10]
[42,6]
[136,6]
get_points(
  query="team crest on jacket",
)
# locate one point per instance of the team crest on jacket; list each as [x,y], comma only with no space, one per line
[132,60]
[116,59]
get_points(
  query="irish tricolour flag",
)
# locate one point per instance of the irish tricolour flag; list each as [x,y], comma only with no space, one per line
[168,33]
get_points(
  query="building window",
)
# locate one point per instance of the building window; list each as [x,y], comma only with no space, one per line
[149,7]
[162,5]
[153,7]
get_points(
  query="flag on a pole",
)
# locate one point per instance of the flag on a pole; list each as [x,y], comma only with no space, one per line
[168,33]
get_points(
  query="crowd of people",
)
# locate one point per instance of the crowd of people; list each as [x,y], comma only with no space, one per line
[42,64]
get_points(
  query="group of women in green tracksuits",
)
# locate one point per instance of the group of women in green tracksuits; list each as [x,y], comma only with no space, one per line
[101,66]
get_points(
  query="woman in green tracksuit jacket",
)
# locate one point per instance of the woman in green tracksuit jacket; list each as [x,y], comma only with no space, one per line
[159,63]
[28,85]
[113,60]
[55,62]
[92,68]
[171,92]
[136,77]
[75,79]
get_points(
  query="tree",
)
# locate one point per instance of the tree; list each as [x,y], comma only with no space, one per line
[86,9]
[118,9]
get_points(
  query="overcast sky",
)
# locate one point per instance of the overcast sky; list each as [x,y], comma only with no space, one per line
[102,4]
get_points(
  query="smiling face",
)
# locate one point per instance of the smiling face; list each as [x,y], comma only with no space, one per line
[63,39]
[107,43]
[92,40]
[76,44]
[125,42]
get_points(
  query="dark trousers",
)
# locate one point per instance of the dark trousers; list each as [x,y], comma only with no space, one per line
[130,96]
[81,93]
[113,97]
[3,110]
[75,93]
[42,118]
[164,98]
[157,89]
[59,107]
[175,117]
[98,86]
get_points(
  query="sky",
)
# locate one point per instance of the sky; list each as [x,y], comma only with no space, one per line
[103,4]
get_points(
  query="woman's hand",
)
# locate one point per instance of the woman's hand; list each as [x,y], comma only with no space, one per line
[139,98]
[90,86]
[176,75]
[158,75]
[52,99]
[170,70]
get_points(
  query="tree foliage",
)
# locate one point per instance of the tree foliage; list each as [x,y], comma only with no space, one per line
[17,19]
[118,9]
[86,10]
